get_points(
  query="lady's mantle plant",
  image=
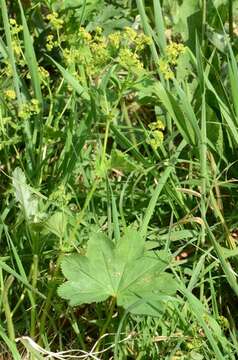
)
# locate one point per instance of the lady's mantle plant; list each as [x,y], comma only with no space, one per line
[133,276]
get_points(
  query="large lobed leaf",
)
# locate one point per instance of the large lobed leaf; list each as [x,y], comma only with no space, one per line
[125,271]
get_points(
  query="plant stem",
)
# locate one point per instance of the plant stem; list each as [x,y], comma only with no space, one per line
[129,124]
[49,296]
[10,326]
[203,164]
[33,305]
[108,320]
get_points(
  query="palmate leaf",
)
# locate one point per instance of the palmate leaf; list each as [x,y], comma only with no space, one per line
[125,271]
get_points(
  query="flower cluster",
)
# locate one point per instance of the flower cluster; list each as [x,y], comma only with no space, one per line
[55,21]
[156,135]
[129,60]
[173,51]
[29,109]
[51,42]
[10,94]
[44,74]
[16,42]
[95,51]
[167,64]
[15,28]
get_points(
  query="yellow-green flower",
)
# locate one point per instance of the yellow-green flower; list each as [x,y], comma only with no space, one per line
[156,136]
[84,35]
[15,28]
[157,125]
[8,69]
[173,50]
[165,69]
[51,43]
[130,34]
[28,109]
[129,60]
[10,94]
[24,112]
[55,21]
[141,41]
[100,53]
[43,73]
[34,107]
[12,22]
[16,47]
[115,39]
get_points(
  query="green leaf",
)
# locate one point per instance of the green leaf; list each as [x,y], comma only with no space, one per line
[218,40]
[125,271]
[23,194]
[186,10]
[110,18]
[123,162]
[72,81]
[57,224]
[74,4]
[131,245]
[31,57]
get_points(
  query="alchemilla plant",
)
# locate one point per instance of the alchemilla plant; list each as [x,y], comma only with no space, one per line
[118,225]
[123,270]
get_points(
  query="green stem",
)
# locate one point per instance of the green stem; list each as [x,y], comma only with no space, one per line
[51,292]
[108,320]
[33,305]
[6,306]
[105,141]
[77,331]
[203,164]
[129,124]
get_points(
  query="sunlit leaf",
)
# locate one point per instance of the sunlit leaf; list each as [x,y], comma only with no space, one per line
[125,271]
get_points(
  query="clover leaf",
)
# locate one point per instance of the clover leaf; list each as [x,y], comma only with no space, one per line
[125,271]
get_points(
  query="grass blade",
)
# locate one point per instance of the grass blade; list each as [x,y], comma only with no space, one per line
[31,58]
[161,183]
[71,80]
[159,26]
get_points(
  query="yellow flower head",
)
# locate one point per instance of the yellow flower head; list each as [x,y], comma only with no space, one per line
[55,21]
[165,69]
[156,136]
[12,22]
[115,39]
[173,50]
[129,60]
[10,94]
[84,35]
[130,34]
